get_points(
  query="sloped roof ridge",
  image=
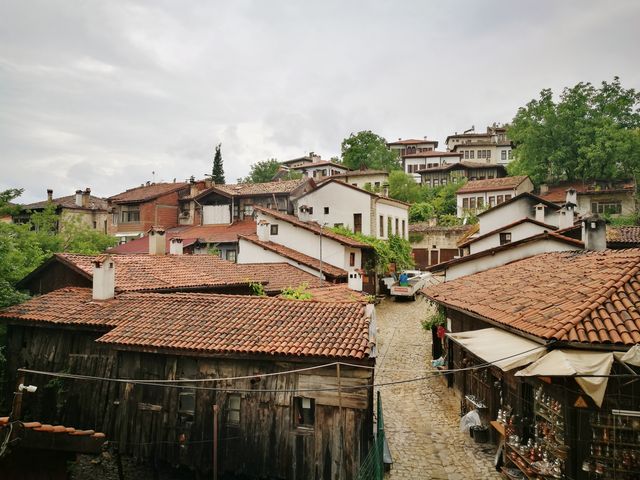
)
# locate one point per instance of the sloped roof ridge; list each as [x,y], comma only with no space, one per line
[600,299]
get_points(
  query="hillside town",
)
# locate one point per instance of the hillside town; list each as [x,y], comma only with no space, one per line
[319,240]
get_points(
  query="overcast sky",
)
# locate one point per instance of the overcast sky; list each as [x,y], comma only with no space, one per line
[101,94]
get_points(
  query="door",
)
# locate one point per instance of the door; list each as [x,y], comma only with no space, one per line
[434,257]
[447,254]
[421,257]
[357,223]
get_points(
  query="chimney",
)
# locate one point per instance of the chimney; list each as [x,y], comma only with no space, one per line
[263,231]
[572,196]
[304,213]
[104,278]
[544,189]
[85,197]
[175,246]
[157,242]
[565,216]
[79,198]
[49,194]
[540,210]
[594,233]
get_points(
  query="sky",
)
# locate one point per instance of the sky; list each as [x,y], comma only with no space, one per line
[108,95]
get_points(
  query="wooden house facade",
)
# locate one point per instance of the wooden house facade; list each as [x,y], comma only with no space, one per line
[208,387]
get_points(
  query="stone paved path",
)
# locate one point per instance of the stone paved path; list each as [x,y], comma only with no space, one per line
[422,418]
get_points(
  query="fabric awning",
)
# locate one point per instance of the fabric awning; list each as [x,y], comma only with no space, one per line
[566,363]
[503,349]
[631,356]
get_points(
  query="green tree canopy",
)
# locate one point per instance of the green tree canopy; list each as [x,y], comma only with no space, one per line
[589,133]
[367,150]
[217,172]
[403,187]
[264,171]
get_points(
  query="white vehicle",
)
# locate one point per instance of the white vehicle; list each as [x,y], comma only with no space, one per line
[416,281]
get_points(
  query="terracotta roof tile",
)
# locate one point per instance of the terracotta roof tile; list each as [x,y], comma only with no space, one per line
[337,294]
[558,193]
[215,324]
[146,192]
[250,189]
[567,296]
[301,258]
[623,236]
[171,272]
[95,203]
[490,184]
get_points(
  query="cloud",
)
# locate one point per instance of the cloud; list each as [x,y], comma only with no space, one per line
[100,94]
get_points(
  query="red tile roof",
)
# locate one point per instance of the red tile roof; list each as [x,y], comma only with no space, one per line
[360,173]
[533,199]
[412,141]
[95,203]
[337,293]
[191,234]
[558,193]
[582,297]
[376,196]
[146,192]
[623,236]
[213,324]
[296,256]
[178,272]
[252,189]
[432,153]
[319,164]
[312,227]
[491,184]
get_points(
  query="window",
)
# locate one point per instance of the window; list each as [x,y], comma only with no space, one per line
[187,403]
[488,153]
[444,181]
[389,226]
[503,155]
[377,184]
[471,154]
[472,203]
[274,230]
[381,224]
[357,223]
[465,203]
[436,182]
[510,154]
[304,411]
[326,210]
[427,182]
[480,202]
[233,409]
[95,224]
[505,238]
[466,154]
[130,214]
[610,207]
[507,197]
[352,259]
[482,153]
[231,255]
[403,229]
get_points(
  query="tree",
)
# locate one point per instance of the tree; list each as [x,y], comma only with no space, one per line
[403,187]
[266,170]
[589,133]
[365,149]
[217,172]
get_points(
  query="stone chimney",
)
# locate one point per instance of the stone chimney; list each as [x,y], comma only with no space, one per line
[79,198]
[263,231]
[104,278]
[157,242]
[565,216]
[572,196]
[594,233]
[304,213]
[540,211]
[544,189]
[49,194]
[86,196]
[175,246]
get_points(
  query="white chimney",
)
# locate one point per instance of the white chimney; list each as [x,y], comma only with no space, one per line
[304,213]
[565,217]
[104,278]
[263,231]
[594,233]
[49,194]
[175,246]
[572,196]
[157,242]
[79,198]
[540,210]
[86,196]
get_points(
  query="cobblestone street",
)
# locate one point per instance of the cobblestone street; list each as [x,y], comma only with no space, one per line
[422,418]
